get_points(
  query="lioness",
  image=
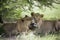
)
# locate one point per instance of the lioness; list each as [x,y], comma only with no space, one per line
[10,29]
[44,26]
[25,24]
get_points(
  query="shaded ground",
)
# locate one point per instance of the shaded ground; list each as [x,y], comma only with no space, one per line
[31,36]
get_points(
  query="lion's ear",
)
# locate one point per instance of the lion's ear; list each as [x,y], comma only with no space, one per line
[41,15]
[32,13]
[26,16]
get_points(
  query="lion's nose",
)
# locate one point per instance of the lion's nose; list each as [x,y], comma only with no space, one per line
[33,26]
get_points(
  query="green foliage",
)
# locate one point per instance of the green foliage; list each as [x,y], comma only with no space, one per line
[8,9]
[13,8]
[13,14]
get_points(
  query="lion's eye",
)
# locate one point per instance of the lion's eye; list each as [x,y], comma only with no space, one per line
[22,20]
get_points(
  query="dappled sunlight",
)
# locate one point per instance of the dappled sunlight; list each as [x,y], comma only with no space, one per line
[31,36]
[49,13]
